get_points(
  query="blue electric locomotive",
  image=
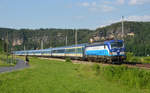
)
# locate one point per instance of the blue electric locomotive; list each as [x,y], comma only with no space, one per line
[107,51]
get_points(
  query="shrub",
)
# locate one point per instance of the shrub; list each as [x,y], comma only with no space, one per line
[129,56]
[135,59]
[132,77]
[146,60]
[68,60]
[96,68]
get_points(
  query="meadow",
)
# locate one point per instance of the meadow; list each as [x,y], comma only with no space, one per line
[51,76]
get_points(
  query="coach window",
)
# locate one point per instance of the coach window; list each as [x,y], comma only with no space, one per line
[79,50]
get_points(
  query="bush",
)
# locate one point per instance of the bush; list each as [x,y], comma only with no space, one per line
[132,77]
[96,68]
[129,56]
[146,60]
[68,60]
[135,59]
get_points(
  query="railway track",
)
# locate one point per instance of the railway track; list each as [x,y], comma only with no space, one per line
[129,64]
[138,64]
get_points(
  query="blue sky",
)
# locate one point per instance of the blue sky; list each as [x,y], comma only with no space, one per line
[77,14]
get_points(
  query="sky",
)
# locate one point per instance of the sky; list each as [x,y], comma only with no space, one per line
[76,14]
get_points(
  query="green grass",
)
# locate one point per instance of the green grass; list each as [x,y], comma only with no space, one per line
[49,76]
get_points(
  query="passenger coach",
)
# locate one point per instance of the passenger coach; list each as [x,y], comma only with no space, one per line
[107,51]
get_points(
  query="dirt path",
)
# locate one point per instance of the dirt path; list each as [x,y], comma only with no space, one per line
[20,65]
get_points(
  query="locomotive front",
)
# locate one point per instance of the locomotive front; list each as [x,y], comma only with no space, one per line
[117,50]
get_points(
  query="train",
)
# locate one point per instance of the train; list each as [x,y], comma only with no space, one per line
[108,51]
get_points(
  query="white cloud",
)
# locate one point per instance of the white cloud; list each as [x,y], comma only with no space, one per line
[116,2]
[133,2]
[88,4]
[106,8]
[144,18]
[85,4]
[96,7]
[79,17]
[102,8]
[93,3]
[120,1]
[138,2]
[107,2]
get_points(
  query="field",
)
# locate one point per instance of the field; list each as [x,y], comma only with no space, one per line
[51,76]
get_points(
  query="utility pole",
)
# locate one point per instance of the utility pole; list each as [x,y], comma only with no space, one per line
[122,27]
[12,48]
[7,46]
[76,36]
[66,40]
[41,43]
[51,41]
[3,44]
[24,47]
[12,60]
[76,42]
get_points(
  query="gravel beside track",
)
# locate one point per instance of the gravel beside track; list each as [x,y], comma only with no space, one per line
[142,65]
[20,65]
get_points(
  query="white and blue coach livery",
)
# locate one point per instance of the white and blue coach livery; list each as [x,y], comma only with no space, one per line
[107,51]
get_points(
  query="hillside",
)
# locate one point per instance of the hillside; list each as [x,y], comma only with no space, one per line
[32,39]
[136,35]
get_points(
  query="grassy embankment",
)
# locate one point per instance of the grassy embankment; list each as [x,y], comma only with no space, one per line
[132,58]
[4,62]
[49,76]
[141,59]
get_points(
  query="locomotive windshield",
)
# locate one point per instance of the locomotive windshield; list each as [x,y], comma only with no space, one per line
[116,44]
